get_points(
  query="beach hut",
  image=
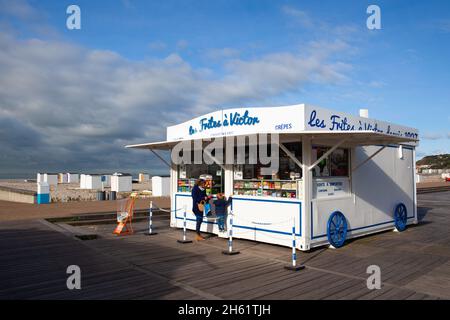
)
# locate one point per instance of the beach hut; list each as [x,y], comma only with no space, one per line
[93,181]
[121,182]
[40,177]
[43,193]
[161,186]
[82,181]
[329,176]
[73,178]
[51,178]
[106,180]
[63,178]
[144,177]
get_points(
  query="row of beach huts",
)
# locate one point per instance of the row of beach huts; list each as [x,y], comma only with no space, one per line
[118,182]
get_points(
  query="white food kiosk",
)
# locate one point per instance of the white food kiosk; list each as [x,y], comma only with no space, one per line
[339,176]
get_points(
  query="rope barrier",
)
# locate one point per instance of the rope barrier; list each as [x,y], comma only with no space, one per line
[167,210]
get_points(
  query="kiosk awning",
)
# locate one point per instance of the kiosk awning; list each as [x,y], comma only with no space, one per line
[162,145]
[352,138]
[359,138]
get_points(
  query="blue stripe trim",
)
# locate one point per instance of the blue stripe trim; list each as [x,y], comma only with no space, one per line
[360,228]
[395,146]
[267,200]
[265,230]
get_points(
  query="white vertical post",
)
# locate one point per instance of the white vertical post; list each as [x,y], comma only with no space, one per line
[150,215]
[150,220]
[184,240]
[294,255]
[230,234]
[230,237]
[307,194]
[184,224]
[294,266]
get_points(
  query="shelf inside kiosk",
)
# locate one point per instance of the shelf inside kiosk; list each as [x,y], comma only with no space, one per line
[268,188]
[188,174]
[284,183]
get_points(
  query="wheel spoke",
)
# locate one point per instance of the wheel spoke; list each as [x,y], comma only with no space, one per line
[338,220]
[332,224]
[335,221]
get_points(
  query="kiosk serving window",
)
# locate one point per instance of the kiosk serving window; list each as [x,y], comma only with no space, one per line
[189,173]
[248,179]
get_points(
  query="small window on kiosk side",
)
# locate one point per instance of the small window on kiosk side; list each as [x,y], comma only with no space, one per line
[334,165]
[339,163]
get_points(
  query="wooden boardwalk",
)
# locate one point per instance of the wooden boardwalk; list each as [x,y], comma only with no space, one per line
[34,256]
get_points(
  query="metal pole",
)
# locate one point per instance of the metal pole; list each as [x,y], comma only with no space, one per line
[294,255]
[150,213]
[294,266]
[184,226]
[230,237]
[150,220]
[184,240]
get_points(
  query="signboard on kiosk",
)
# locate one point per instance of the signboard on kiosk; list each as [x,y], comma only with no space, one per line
[318,119]
[240,121]
[330,187]
[287,119]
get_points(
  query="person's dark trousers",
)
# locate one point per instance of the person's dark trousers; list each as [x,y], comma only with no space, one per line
[199,218]
[221,221]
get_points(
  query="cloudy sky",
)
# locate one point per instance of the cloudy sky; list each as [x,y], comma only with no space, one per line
[71,99]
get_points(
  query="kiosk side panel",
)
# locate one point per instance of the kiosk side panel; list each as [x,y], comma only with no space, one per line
[267,220]
[382,183]
[321,211]
[377,187]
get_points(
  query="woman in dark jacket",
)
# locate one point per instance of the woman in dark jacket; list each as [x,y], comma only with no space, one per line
[198,195]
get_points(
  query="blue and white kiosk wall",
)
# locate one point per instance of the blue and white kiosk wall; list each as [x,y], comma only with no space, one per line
[344,173]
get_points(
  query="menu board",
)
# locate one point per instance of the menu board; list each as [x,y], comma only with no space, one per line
[330,187]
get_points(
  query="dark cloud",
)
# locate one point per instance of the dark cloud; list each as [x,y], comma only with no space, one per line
[65,107]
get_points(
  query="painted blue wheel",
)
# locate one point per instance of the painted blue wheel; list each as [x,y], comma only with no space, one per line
[400,217]
[337,229]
